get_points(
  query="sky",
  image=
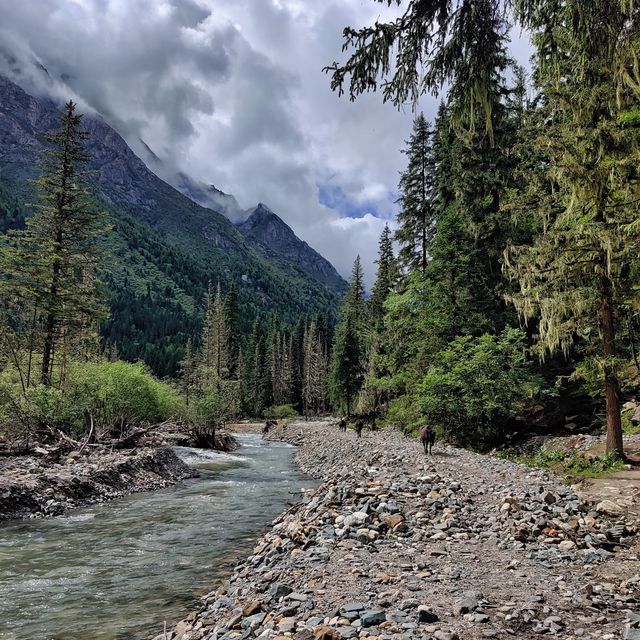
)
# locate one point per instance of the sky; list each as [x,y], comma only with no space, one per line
[232,92]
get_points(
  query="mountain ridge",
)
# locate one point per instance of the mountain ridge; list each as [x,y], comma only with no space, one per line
[167,246]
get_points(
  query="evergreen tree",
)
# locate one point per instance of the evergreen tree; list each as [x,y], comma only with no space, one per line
[314,372]
[233,330]
[349,343]
[576,274]
[215,336]
[416,215]
[51,267]
[385,278]
[188,372]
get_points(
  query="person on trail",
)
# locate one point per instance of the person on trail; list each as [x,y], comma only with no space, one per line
[359,425]
[342,425]
[428,438]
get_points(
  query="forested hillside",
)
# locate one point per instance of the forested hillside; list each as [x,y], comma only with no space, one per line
[166,249]
[515,287]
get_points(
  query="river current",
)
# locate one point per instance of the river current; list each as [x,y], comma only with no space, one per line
[117,571]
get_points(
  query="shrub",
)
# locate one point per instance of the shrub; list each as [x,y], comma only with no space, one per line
[477,386]
[114,393]
[572,464]
[280,412]
[121,392]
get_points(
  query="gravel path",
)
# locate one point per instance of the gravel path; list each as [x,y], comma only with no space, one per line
[397,545]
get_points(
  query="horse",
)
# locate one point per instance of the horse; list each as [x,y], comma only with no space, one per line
[428,438]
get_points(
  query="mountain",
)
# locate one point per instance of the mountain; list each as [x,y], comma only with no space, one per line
[166,248]
[209,196]
[277,241]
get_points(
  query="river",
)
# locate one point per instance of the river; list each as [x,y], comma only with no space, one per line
[117,571]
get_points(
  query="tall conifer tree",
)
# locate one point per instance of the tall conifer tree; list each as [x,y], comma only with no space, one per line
[51,267]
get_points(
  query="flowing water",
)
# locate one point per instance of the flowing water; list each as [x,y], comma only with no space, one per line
[117,571]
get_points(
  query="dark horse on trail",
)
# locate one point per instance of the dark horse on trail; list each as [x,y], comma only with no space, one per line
[428,438]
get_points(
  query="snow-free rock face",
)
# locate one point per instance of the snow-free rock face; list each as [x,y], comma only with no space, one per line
[276,240]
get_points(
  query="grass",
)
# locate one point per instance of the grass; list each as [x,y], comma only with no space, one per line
[571,465]
[628,428]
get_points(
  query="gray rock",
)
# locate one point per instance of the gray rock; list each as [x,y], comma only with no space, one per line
[445,635]
[279,590]
[468,603]
[372,617]
[352,607]
[253,621]
[425,615]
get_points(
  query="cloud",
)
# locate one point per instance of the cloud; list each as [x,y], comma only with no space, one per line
[232,92]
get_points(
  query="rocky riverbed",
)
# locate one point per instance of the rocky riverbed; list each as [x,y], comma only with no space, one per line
[397,545]
[37,486]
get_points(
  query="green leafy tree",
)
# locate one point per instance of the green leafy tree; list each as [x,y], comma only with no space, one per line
[476,387]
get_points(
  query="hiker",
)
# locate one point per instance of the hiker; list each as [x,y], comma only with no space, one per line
[428,438]
[342,425]
[359,425]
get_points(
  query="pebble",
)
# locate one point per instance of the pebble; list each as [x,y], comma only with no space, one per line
[393,545]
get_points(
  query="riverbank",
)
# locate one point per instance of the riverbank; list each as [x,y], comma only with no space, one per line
[393,544]
[38,486]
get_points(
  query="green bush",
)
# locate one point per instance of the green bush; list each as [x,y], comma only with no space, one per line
[571,464]
[404,413]
[121,392]
[113,393]
[280,412]
[477,386]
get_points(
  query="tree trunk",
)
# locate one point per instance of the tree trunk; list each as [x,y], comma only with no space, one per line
[611,385]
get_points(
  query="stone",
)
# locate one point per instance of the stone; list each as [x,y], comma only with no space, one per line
[352,607]
[326,633]
[280,590]
[393,520]
[469,602]
[287,624]
[254,621]
[609,508]
[425,615]
[445,635]
[251,608]
[567,545]
[298,597]
[372,617]
[630,633]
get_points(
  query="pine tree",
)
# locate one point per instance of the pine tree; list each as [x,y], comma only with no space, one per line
[51,268]
[220,337]
[385,279]
[416,215]
[349,343]
[231,309]
[207,340]
[188,372]
[576,274]
[214,342]
[314,372]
